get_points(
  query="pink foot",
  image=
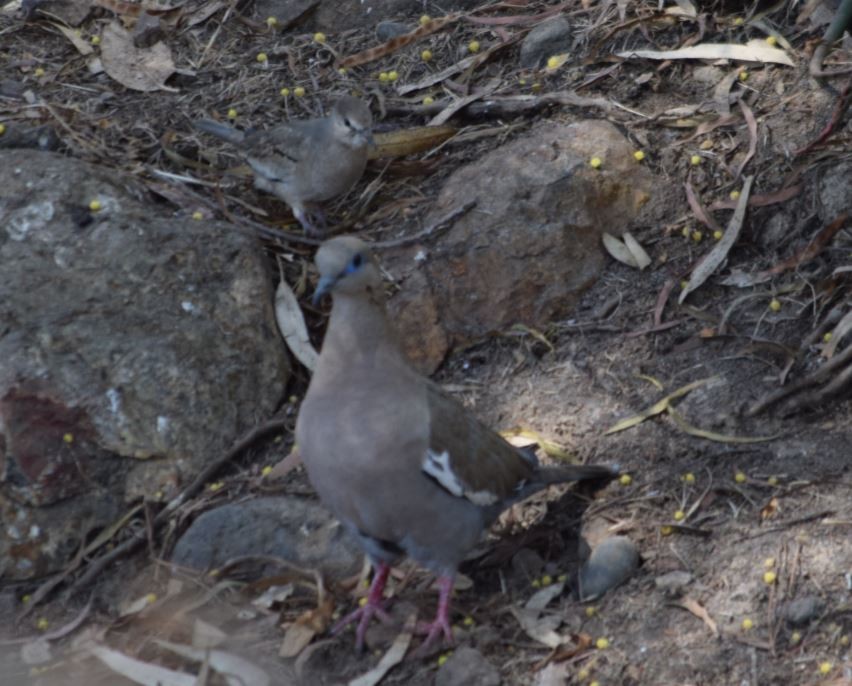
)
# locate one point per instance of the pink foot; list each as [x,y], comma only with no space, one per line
[373,608]
[441,624]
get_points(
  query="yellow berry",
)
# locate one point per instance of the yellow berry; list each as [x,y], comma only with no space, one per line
[468,621]
[717,235]
[522,81]
[775,304]
[602,643]
[261,57]
[772,481]
[740,478]
[826,338]
[39,72]
[683,285]
[298,91]
[271,21]
[743,75]
[771,40]
[689,478]
[795,637]
[232,113]
[695,160]
[27,598]
[583,674]
[844,640]
[95,205]
[96,40]
[319,37]
[595,683]
[638,155]
[686,232]
[734,195]
[666,530]
[769,578]
[266,471]
[68,438]
[739,21]
[536,583]
[151,598]
[215,486]
[425,19]
[825,668]
[625,479]
[697,236]
[747,624]
[383,76]
[284,92]
[442,659]
[428,100]
[679,515]
[595,162]
[546,580]
[342,71]
[393,76]
[591,611]
[42,624]
[426,55]
[473,46]
[362,601]
[2,129]
[552,62]
[197,216]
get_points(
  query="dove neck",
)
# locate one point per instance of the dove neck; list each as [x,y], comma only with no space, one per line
[359,325]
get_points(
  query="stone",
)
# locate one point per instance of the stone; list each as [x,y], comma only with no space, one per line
[552,37]
[385,30]
[801,611]
[529,248]
[834,191]
[467,667]
[295,529]
[611,563]
[673,583]
[135,345]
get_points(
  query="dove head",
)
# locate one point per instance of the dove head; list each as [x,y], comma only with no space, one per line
[346,266]
[352,122]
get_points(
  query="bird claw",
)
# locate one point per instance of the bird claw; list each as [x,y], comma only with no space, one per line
[363,615]
[432,630]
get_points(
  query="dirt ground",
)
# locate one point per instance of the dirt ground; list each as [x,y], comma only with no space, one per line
[780,504]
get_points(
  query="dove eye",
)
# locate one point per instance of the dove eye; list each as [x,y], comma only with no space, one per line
[355,263]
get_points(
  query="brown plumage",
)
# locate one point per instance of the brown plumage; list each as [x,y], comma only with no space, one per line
[408,469]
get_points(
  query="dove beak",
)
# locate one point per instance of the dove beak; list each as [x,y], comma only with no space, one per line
[324,286]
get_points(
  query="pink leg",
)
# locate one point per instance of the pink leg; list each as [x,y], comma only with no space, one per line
[374,607]
[441,623]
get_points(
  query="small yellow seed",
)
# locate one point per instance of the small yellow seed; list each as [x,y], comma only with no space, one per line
[2,129]
[683,285]
[96,40]
[94,205]
[39,72]
[583,674]
[68,438]
[775,304]
[522,81]
[261,57]
[197,216]
[298,91]
[625,479]
[266,471]
[383,76]
[428,100]
[666,530]
[747,624]
[591,611]
[795,637]
[769,578]
[638,155]
[825,668]
[552,62]
[595,162]
[426,55]
[679,515]
[271,22]
[342,71]
[739,21]
[216,486]
[844,640]
[689,478]
[473,46]
[284,92]
[595,683]
[772,481]
[393,76]
[425,19]
[562,578]
[717,235]
[686,232]
[442,659]
[536,87]
[697,236]
[740,478]
[320,37]
[42,624]
[771,40]
[27,598]
[536,583]
[695,160]
[743,75]
[468,621]
[734,195]
[826,338]
[151,598]
[602,643]
[232,113]
[546,580]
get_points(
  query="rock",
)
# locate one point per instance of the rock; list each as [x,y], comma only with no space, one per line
[834,191]
[552,37]
[673,583]
[610,564]
[37,137]
[530,247]
[801,611]
[296,529]
[385,30]
[135,347]
[467,667]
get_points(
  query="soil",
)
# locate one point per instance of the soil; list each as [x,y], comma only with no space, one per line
[779,503]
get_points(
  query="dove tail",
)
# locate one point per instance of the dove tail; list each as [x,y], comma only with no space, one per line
[558,475]
[229,133]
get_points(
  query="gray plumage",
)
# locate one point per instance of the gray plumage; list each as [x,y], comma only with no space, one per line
[306,162]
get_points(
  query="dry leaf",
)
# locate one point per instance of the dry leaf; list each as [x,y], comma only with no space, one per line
[657,408]
[83,46]
[296,638]
[391,658]
[838,333]
[541,599]
[236,670]
[144,69]
[555,674]
[687,428]
[626,250]
[140,672]
[541,629]
[409,141]
[699,611]
[291,323]
[769,510]
[754,51]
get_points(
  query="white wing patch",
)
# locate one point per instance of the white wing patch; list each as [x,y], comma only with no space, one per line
[437,465]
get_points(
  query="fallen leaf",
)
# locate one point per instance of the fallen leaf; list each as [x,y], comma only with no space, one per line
[391,658]
[143,673]
[687,428]
[770,510]
[657,408]
[555,674]
[699,611]
[632,254]
[236,670]
[140,69]
[291,323]
[541,629]
[409,141]
[753,51]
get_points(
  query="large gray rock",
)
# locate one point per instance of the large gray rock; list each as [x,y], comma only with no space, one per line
[552,37]
[531,246]
[135,346]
